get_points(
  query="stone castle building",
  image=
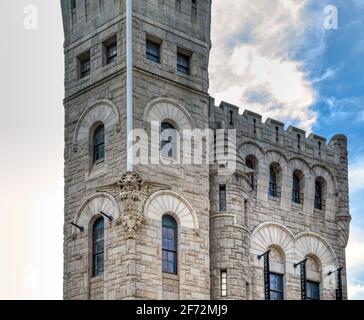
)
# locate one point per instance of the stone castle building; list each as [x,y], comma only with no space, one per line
[179,231]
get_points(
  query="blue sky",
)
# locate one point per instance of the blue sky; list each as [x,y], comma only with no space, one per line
[340,108]
[272,57]
[276,48]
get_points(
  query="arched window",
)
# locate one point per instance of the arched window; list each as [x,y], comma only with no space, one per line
[319,201]
[98,247]
[99,144]
[297,187]
[273,182]
[252,163]
[276,273]
[169,244]
[168,139]
[313,275]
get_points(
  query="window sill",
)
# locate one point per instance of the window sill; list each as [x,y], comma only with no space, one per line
[97,170]
[297,205]
[318,211]
[274,199]
[98,278]
[170,276]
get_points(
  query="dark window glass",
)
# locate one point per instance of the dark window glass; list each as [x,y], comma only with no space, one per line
[318,195]
[178,5]
[169,140]
[73,4]
[169,244]
[276,286]
[183,63]
[249,164]
[85,66]
[296,189]
[222,198]
[273,183]
[313,290]
[98,247]
[153,51]
[194,10]
[111,53]
[99,144]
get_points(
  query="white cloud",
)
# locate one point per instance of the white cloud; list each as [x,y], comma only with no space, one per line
[355,263]
[251,63]
[355,250]
[356,175]
[355,291]
[361,116]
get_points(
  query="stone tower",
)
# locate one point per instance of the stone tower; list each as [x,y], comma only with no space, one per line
[171,45]
[171,229]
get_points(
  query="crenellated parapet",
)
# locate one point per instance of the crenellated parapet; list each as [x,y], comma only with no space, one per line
[295,140]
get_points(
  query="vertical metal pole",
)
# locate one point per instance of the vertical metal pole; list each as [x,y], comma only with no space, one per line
[129,83]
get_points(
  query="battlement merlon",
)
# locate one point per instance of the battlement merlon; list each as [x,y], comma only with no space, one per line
[272,131]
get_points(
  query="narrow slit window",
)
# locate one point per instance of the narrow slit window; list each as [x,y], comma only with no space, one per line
[98,247]
[99,144]
[223,283]
[194,11]
[169,244]
[222,198]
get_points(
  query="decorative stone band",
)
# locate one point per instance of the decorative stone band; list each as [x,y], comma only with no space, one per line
[167,201]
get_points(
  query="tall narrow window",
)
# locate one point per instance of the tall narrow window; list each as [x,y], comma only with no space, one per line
[255,125]
[319,145]
[223,283]
[85,64]
[252,163]
[73,4]
[101,5]
[153,51]
[194,11]
[318,195]
[273,182]
[98,247]
[169,244]
[183,63]
[87,9]
[99,144]
[168,139]
[178,5]
[299,141]
[111,51]
[297,187]
[277,134]
[276,286]
[222,198]
[231,117]
[296,190]
[313,290]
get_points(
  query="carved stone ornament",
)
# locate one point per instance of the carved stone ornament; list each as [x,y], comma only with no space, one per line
[132,192]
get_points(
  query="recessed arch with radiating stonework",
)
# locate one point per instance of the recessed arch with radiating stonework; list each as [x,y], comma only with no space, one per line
[169,202]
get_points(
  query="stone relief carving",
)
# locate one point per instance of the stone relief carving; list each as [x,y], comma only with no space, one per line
[132,192]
